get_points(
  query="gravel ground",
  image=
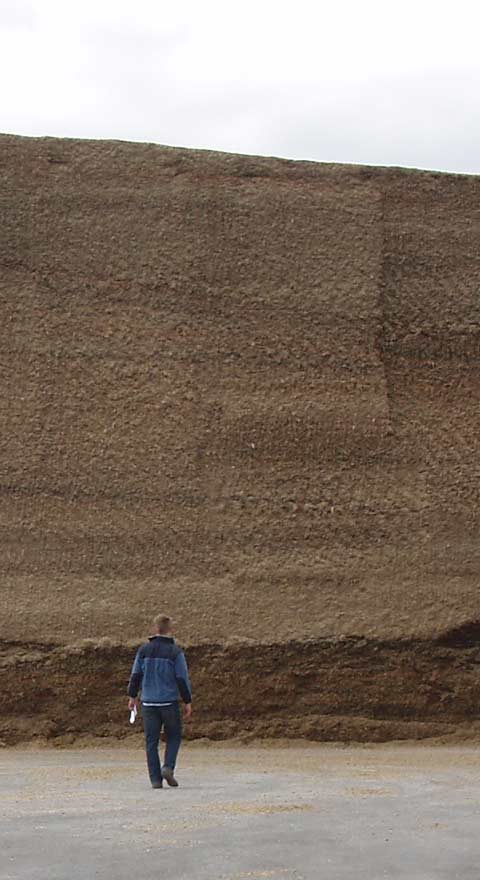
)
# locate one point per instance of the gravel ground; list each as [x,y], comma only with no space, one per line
[243,813]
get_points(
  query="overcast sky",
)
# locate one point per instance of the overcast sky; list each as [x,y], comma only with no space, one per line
[379,82]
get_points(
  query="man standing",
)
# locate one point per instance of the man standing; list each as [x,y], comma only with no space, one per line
[160,671]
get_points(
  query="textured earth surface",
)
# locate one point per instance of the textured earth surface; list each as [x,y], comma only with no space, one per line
[243,814]
[244,390]
[324,690]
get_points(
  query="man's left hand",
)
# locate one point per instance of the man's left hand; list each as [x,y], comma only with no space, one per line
[132,703]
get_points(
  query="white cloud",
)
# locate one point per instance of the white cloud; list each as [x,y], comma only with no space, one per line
[374,82]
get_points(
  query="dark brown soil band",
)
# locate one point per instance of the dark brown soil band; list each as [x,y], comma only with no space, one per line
[350,689]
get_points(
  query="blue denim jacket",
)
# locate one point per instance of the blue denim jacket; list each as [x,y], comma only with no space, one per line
[160,671]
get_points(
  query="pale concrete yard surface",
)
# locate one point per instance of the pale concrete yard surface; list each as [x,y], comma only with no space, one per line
[243,813]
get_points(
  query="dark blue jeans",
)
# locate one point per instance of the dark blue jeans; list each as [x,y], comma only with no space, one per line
[154,719]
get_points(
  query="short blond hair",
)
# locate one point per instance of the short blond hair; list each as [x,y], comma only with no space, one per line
[163,622]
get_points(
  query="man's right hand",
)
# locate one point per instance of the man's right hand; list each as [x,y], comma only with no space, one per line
[132,704]
[187,711]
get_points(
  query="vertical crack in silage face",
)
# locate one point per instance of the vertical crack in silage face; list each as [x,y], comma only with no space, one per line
[381,339]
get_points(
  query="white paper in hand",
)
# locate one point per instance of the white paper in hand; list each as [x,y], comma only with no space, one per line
[133,715]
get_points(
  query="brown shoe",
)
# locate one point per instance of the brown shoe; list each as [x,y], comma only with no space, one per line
[167,774]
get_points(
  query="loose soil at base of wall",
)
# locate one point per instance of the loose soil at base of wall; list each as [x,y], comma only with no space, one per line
[350,689]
